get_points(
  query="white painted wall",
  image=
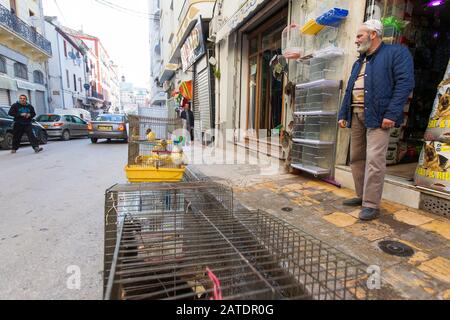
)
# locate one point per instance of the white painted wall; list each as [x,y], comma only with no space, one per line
[59,64]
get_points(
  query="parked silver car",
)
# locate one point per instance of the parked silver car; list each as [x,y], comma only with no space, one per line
[64,127]
[109,126]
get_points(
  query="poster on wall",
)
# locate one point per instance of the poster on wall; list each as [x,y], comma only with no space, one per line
[439,124]
[194,47]
[433,171]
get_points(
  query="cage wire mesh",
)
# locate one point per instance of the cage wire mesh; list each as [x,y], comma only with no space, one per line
[151,143]
[161,240]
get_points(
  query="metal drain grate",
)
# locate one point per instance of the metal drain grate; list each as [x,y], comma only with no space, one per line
[435,205]
[395,248]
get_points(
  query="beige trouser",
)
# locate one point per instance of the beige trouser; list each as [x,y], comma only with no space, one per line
[368,161]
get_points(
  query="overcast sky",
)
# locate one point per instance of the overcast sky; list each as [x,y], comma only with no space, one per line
[124,35]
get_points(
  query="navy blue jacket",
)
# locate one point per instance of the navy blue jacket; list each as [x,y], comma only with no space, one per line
[389,81]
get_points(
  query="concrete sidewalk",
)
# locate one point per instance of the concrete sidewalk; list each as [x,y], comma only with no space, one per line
[317,209]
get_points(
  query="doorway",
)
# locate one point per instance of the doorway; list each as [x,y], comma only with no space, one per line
[265,107]
[424,30]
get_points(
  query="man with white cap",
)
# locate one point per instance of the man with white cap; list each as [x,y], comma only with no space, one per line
[381,81]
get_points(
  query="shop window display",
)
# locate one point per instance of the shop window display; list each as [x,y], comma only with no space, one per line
[423,28]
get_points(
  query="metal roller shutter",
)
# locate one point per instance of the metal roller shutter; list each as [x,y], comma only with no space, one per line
[39,104]
[202,97]
[4,97]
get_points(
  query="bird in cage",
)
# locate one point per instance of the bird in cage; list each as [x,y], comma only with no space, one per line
[151,136]
[177,157]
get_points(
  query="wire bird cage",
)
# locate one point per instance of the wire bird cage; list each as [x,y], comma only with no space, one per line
[154,153]
[185,242]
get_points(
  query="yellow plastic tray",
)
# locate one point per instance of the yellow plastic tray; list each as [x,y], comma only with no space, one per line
[138,174]
[312,27]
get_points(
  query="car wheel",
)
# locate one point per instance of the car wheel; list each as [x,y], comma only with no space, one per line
[43,138]
[7,143]
[94,140]
[125,140]
[65,135]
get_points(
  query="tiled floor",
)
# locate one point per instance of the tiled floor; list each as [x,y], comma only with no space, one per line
[317,209]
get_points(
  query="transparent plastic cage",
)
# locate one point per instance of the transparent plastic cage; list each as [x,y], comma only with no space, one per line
[324,96]
[291,42]
[321,127]
[314,158]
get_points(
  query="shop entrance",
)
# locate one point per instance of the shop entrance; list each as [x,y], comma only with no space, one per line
[265,102]
[423,27]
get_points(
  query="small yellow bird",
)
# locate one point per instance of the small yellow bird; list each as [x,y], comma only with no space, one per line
[151,136]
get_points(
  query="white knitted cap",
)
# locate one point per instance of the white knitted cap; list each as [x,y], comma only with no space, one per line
[374,25]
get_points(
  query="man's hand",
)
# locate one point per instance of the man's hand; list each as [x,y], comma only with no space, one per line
[388,124]
[342,124]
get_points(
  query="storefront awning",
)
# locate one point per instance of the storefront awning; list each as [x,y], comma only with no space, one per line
[25,85]
[241,16]
[8,84]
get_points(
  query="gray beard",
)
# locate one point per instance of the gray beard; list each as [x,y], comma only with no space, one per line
[363,48]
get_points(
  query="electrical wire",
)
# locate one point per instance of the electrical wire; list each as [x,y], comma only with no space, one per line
[60,11]
[128,11]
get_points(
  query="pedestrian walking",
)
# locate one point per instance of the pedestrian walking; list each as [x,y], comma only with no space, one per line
[381,81]
[188,115]
[23,114]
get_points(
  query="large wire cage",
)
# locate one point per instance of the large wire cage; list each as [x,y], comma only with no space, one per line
[185,242]
[151,143]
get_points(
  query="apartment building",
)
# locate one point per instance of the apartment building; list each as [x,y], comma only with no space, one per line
[24,53]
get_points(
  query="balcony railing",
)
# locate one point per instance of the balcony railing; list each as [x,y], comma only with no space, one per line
[19,27]
[97,95]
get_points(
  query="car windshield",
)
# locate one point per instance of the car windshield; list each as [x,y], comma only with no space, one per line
[4,111]
[110,118]
[48,118]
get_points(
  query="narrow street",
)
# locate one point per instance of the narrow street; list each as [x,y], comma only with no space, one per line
[51,206]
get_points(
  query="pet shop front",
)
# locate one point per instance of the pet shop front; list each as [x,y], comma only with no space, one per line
[419,152]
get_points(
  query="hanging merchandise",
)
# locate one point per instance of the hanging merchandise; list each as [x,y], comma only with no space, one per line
[279,67]
[395,23]
[291,42]
[312,27]
[186,89]
[333,17]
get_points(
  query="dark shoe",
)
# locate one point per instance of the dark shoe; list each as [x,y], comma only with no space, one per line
[356,202]
[369,214]
[13,151]
[37,150]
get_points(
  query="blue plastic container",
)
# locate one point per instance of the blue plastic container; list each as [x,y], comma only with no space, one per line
[333,17]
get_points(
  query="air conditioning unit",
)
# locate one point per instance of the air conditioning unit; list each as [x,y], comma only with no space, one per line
[214,26]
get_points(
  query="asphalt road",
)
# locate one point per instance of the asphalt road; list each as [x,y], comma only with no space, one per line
[51,210]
